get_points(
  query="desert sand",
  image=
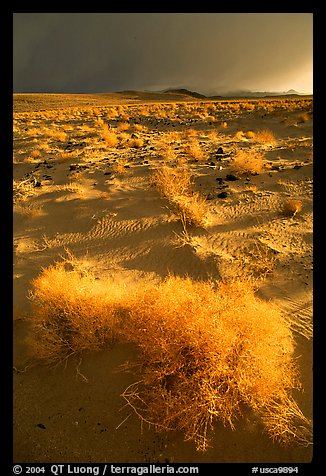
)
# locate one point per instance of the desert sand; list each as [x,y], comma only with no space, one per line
[76,191]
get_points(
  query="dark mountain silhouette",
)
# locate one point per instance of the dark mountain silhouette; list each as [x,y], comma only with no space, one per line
[185,92]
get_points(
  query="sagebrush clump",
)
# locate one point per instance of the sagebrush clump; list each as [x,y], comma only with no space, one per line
[292,206]
[175,184]
[248,161]
[72,312]
[206,350]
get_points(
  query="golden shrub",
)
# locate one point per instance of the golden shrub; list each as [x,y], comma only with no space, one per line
[205,350]
[247,161]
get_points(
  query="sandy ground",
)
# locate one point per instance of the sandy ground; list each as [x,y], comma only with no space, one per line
[74,192]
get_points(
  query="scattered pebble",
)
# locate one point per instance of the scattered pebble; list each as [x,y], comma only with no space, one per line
[40,425]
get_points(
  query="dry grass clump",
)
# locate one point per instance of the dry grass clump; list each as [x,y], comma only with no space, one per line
[194,151]
[247,162]
[110,137]
[72,312]
[166,150]
[250,134]
[66,156]
[189,133]
[265,137]
[72,187]
[123,126]
[33,131]
[239,135]
[139,128]
[24,188]
[136,142]
[174,183]
[303,117]
[206,353]
[56,135]
[121,166]
[29,209]
[292,206]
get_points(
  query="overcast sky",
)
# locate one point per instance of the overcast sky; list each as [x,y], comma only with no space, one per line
[206,52]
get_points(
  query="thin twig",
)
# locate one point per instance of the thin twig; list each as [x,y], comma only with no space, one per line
[123,421]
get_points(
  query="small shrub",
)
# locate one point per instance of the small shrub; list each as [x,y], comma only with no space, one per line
[265,137]
[139,128]
[110,137]
[189,133]
[175,184]
[292,206]
[123,126]
[303,117]
[120,166]
[247,162]
[239,135]
[59,136]
[166,150]
[30,210]
[194,151]
[250,135]
[65,156]
[136,142]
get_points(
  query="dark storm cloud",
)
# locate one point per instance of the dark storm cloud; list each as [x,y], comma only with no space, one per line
[91,52]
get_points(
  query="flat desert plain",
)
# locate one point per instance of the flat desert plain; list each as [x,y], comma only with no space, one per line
[137,189]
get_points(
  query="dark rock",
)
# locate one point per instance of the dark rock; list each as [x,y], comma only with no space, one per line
[219,180]
[37,183]
[73,167]
[231,177]
[40,425]
[275,167]
[107,173]
[296,167]
[212,163]
[222,195]
[220,151]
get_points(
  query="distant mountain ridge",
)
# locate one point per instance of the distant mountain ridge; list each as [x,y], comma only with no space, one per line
[184,91]
[246,93]
[234,94]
